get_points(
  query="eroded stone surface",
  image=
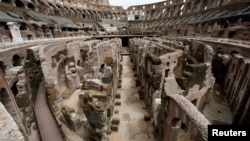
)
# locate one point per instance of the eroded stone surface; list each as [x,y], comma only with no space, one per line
[9,129]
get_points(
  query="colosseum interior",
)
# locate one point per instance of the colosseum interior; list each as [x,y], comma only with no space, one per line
[84,70]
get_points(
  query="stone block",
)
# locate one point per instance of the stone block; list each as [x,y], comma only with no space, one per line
[56,110]
[67,93]
[53,96]
[22,99]
[51,101]
[68,109]
[51,91]
[28,109]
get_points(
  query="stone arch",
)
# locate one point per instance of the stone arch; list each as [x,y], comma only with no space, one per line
[114,16]
[54,8]
[23,26]
[109,15]
[118,16]
[176,123]
[187,8]
[61,77]
[31,6]
[19,3]
[92,14]
[11,106]
[123,16]
[153,14]
[16,60]
[104,15]
[79,12]
[61,9]
[99,15]
[87,13]
[73,12]
[14,89]
[218,70]
[84,15]
[124,30]
[102,68]
[180,129]
[5,99]
[67,10]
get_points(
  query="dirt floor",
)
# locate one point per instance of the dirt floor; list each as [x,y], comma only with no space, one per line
[132,126]
[217,111]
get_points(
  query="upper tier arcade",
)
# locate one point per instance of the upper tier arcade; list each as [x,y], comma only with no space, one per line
[216,18]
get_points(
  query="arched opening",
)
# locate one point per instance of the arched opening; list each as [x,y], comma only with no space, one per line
[226,24]
[64,29]
[19,3]
[231,34]
[218,69]
[23,26]
[233,52]
[102,67]
[124,30]
[62,78]
[6,27]
[14,89]
[83,15]
[5,99]
[38,63]
[16,60]
[78,63]
[125,41]
[72,12]
[176,123]
[194,102]
[31,6]
[2,66]
[166,72]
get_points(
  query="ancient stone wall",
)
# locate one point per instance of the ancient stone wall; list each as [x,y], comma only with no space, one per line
[172,73]
[182,121]
[236,87]
[60,69]
[48,19]
[173,68]
[9,105]
[185,18]
[98,92]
